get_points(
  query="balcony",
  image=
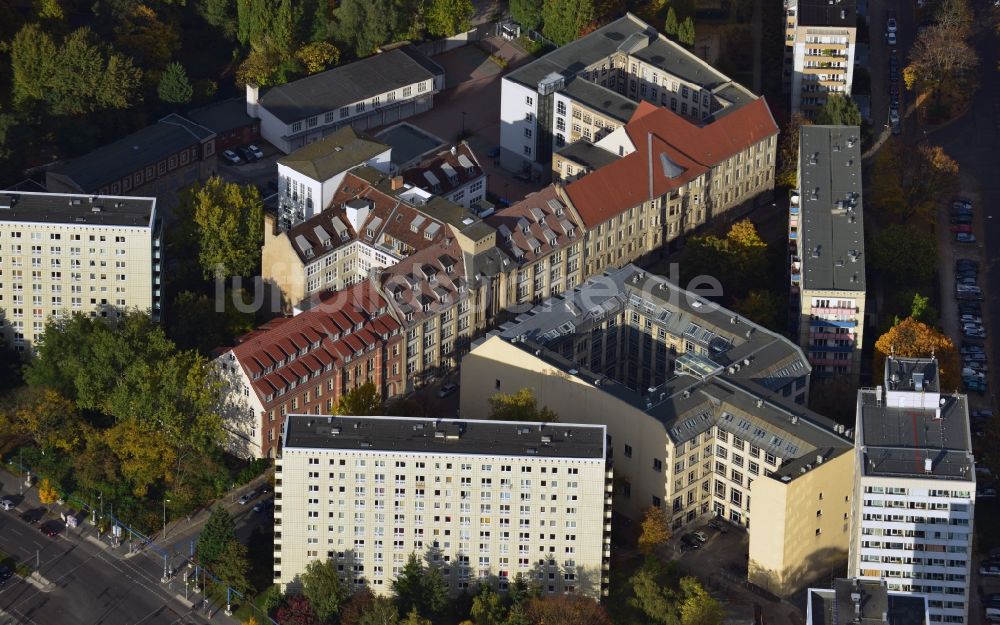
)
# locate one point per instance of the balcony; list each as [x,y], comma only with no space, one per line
[829,361]
[831,310]
[820,323]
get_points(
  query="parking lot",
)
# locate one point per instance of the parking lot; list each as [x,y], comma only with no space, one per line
[261,172]
[720,563]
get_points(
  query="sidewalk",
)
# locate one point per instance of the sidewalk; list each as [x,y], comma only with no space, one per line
[141,559]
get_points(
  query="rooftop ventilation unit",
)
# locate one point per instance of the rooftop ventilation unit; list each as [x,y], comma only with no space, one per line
[928,465]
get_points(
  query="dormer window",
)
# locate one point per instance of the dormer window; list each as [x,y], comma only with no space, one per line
[426,306]
[552,242]
[328,243]
[409,316]
[538,250]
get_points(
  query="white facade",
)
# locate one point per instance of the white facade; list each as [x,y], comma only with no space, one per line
[307,196]
[518,124]
[474,514]
[347,265]
[809,84]
[88,261]
[241,408]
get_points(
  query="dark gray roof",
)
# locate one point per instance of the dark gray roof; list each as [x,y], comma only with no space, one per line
[347,84]
[588,154]
[77,209]
[333,154]
[445,436]
[913,433]
[223,116]
[736,388]
[674,58]
[600,99]
[147,146]
[831,223]
[731,96]
[575,56]
[871,598]
[842,13]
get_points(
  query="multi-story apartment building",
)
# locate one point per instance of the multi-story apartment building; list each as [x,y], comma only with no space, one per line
[157,160]
[856,601]
[62,253]
[672,176]
[827,247]
[368,225]
[453,174]
[481,501]
[309,177]
[820,36]
[700,404]
[543,103]
[374,91]
[304,364]
[578,159]
[543,237]
[915,489]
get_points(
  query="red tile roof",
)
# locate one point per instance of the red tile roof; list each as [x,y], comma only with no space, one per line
[691,150]
[332,324]
[524,215]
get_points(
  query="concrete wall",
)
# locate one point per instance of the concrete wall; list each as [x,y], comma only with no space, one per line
[514,109]
[801,529]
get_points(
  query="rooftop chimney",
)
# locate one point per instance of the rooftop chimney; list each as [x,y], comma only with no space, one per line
[396,183]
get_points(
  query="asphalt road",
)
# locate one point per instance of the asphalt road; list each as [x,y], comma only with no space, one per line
[91,587]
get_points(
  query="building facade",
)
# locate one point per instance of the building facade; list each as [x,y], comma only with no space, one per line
[304,364]
[621,62]
[852,601]
[915,488]
[374,91]
[158,160]
[827,251]
[820,40]
[62,253]
[453,174]
[483,502]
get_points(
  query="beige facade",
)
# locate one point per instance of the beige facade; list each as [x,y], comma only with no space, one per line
[481,502]
[820,41]
[64,253]
[802,522]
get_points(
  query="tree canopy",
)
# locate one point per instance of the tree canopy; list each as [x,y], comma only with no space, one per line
[839,110]
[420,588]
[519,406]
[322,586]
[739,260]
[655,530]
[362,401]
[227,220]
[912,339]
[565,20]
[527,13]
[788,150]
[175,88]
[905,254]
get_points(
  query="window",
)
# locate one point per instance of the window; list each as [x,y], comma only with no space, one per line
[561,108]
[527,133]
[344,111]
[297,126]
[529,101]
[657,465]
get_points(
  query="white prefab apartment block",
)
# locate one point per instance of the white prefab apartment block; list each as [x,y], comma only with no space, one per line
[64,253]
[820,38]
[915,485]
[484,501]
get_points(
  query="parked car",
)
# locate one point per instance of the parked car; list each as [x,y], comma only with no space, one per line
[893,63]
[893,74]
[5,574]
[890,22]
[893,116]
[974,334]
[257,152]
[986,493]
[961,219]
[690,541]
[246,154]
[718,526]
[702,538]
[970,319]
[964,201]
[982,414]
[961,228]
[965,237]
[261,506]
[49,528]
[967,358]
[231,156]
[890,38]
[970,308]
[991,570]
[247,497]
[7,503]
[447,390]
[967,262]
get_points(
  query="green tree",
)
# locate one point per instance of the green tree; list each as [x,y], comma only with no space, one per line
[839,110]
[788,150]
[698,607]
[194,320]
[564,20]
[650,596]
[228,223]
[527,13]
[175,88]
[565,610]
[685,32]
[445,18]
[219,14]
[84,76]
[488,607]
[50,10]
[670,27]
[379,611]
[413,618]
[738,261]
[46,418]
[233,566]
[763,307]
[322,586]
[907,255]
[218,532]
[921,309]
[363,24]
[519,406]
[655,530]
[419,588]
[360,401]
[33,64]
[317,56]
[149,40]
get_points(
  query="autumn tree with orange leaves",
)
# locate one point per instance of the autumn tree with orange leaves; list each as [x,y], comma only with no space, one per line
[912,339]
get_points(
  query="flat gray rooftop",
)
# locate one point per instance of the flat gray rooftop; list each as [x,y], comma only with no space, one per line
[842,13]
[878,606]
[77,209]
[912,374]
[600,99]
[899,441]
[831,224]
[588,154]
[445,436]
[408,142]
